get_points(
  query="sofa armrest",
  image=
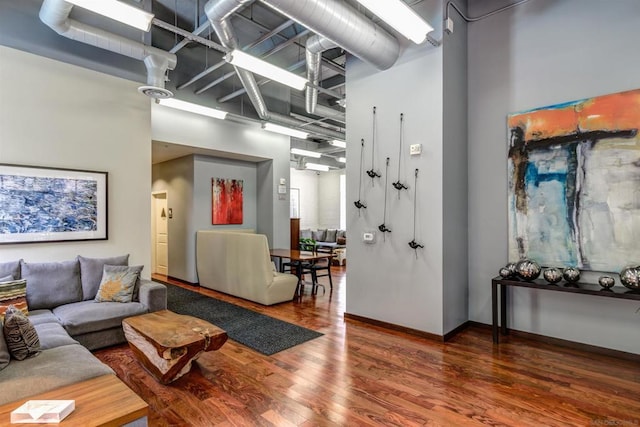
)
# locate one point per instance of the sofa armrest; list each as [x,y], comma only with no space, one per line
[153,295]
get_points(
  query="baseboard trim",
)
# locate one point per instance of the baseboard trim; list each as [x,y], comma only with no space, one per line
[456,331]
[573,345]
[175,280]
[394,327]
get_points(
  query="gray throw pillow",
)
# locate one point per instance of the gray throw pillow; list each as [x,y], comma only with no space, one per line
[331,235]
[118,283]
[306,234]
[318,235]
[91,272]
[50,284]
[5,357]
[22,338]
[10,268]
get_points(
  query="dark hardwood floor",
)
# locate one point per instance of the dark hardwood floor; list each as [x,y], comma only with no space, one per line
[361,375]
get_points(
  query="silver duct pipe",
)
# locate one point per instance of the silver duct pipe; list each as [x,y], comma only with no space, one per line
[218,12]
[55,14]
[315,46]
[283,120]
[343,25]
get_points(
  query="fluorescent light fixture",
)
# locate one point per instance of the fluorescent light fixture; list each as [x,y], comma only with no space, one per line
[193,108]
[285,130]
[401,17]
[265,69]
[342,159]
[338,143]
[317,167]
[119,11]
[306,153]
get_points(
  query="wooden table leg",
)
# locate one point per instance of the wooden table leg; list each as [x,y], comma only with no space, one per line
[494,311]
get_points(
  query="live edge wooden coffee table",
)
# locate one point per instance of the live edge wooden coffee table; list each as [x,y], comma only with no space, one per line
[166,343]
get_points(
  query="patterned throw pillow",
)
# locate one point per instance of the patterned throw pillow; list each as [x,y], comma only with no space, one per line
[118,283]
[22,338]
[13,292]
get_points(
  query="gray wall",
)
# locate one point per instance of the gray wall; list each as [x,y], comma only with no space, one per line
[246,142]
[387,281]
[454,195]
[541,53]
[176,178]
[187,181]
[54,114]
[206,168]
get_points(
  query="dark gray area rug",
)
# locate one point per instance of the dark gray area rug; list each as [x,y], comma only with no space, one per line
[255,330]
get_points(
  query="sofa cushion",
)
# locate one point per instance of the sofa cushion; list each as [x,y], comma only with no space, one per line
[7,278]
[117,283]
[42,316]
[5,356]
[318,235]
[53,368]
[13,292]
[330,236]
[53,335]
[306,234]
[91,272]
[20,334]
[10,268]
[51,284]
[341,233]
[89,316]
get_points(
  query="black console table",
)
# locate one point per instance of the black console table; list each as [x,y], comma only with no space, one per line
[501,285]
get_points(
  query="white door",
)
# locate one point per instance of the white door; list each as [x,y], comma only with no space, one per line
[160,244]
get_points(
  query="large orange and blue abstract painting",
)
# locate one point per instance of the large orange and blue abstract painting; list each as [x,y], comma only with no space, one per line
[226,201]
[574,183]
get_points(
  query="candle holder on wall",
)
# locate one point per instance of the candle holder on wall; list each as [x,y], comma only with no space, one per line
[413,244]
[358,202]
[399,185]
[383,227]
[372,172]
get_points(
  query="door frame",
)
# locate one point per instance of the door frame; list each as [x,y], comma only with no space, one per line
[154,198]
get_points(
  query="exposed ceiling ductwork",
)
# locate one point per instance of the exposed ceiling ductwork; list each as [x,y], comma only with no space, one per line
[219,13]
[55,14]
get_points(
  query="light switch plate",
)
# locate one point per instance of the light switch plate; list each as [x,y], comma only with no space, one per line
[369,237]
[415,149]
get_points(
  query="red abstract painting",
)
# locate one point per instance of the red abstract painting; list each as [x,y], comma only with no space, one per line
[226,201]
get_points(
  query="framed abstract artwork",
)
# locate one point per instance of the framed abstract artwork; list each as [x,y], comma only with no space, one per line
[226,201]
[574,183]
[39,204]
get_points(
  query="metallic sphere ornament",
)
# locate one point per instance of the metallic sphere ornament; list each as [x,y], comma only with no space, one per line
[630,277]
[552,275]
[606,282]
[505,273]
[571,274]
[512,268]
[528,269]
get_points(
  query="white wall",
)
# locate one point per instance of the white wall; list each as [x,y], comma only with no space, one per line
[270,151]
[386,280]
[319,197]
[307,182]
[541,53]
[329,199]
[59,115]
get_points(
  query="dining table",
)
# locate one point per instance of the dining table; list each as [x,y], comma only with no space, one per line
[297,257]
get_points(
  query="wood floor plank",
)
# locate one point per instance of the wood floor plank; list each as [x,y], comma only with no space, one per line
[364,375]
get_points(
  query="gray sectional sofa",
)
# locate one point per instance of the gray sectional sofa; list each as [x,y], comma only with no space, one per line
[69,323]
[326,239]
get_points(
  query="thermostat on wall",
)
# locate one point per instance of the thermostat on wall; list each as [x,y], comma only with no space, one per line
[369,237]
